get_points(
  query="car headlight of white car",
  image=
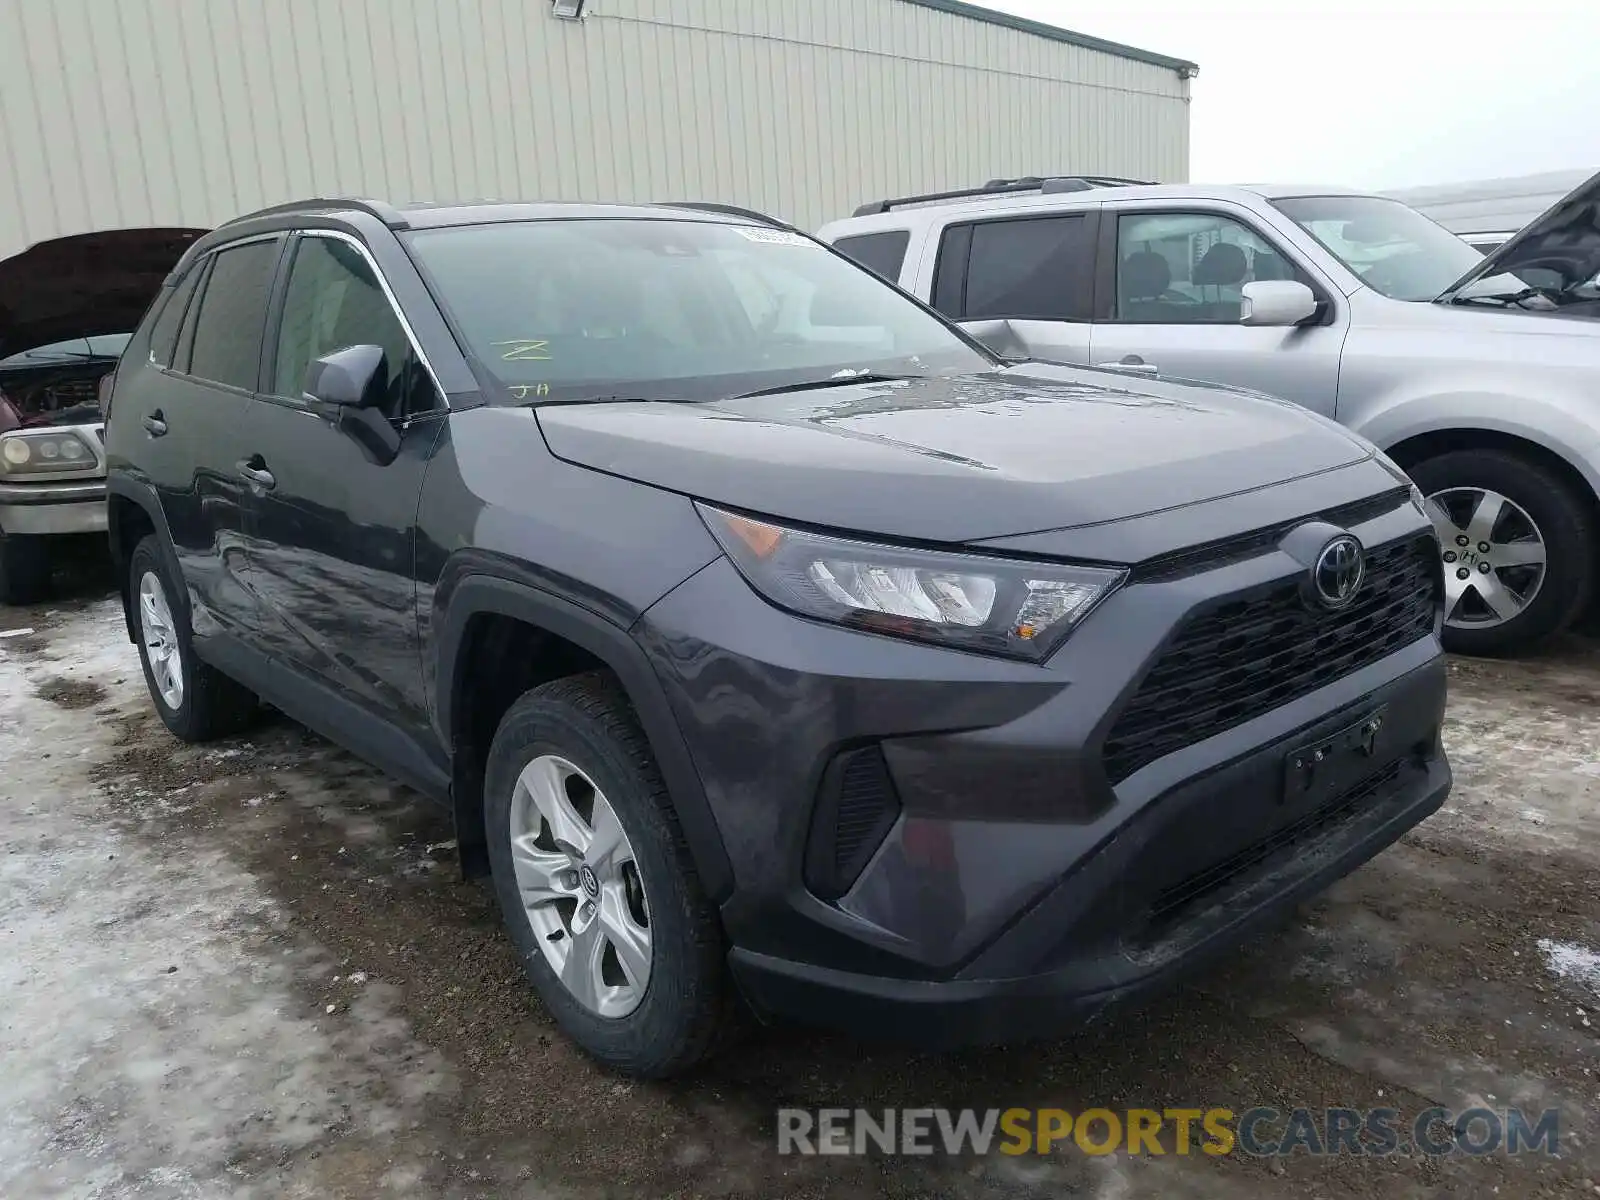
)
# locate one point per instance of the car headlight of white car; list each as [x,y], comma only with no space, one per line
[44,452]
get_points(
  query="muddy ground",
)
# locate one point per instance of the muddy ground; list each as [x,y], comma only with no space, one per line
[250,969]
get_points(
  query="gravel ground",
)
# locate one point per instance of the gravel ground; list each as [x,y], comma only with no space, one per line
[250,969]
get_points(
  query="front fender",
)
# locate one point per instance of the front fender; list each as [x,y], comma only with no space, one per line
[1567,431]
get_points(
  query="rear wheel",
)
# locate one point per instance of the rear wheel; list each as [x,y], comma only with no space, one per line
[1518,546]
[194,700]
[596,883]
[24,569]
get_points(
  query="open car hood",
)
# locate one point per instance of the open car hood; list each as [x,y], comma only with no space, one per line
[1565,239]
[84,285]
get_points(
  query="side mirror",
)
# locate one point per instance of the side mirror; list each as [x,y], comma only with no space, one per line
[1276,302]
[349,386]
[350,378]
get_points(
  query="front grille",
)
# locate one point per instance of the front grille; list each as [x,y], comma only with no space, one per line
[1171,902]
[1251,653]
[1211,555]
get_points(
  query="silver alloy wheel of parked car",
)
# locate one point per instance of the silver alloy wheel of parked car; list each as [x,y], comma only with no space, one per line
[1494,556]
[160,641]
[581,886]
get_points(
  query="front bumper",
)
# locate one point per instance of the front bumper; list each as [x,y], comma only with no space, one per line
[1089,942]
[53,508]
[1007,883]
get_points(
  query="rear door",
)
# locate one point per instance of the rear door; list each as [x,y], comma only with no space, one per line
[1170,285]
[1021,284]
[332,530]
[189,414]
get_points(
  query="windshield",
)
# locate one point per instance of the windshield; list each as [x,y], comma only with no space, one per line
[657,309]
[1396,250]
[104,345]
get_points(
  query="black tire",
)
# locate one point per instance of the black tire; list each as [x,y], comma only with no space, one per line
[587,720]
[1566,522]
[24,569]
[212,705]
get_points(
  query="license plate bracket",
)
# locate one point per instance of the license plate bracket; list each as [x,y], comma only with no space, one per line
[1321,769]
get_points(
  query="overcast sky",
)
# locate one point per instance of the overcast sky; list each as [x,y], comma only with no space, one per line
[1365,93]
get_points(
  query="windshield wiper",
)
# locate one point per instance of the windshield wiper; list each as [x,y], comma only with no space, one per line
[831,381]
[1509,299]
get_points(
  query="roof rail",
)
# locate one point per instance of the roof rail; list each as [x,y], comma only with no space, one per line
[387,213]
[1046,184]
[727,210]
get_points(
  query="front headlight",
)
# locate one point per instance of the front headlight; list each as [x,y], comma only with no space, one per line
[966,601]
[44,452]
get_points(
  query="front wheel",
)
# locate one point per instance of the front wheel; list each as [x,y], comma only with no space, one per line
[1518,546]
[596,883]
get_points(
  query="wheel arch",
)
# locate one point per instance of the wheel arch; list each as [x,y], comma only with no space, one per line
[519,619]
[1419,446]
[132,514]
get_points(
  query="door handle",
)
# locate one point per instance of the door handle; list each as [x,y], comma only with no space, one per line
[258,476]
[1132,364]
[155,424]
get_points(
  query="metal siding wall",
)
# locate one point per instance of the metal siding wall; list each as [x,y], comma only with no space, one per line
[187,112]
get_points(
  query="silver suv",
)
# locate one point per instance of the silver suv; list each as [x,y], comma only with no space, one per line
[1478,376]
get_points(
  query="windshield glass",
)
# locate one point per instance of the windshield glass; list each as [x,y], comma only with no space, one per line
[1396,250]
[656,309]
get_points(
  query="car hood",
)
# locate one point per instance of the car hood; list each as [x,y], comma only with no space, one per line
[1564,239]
[959,459]
[92,283]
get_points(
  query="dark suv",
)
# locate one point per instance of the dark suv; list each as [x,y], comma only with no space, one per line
[758,626]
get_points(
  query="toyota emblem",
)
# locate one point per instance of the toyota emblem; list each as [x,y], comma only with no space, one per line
[1337,574]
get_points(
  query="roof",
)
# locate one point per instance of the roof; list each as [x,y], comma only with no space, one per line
[902,216]
[1055,33]
[440,214]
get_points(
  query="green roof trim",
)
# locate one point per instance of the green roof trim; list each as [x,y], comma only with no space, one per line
[957,8]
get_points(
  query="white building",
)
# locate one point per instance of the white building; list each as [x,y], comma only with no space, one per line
[123,114]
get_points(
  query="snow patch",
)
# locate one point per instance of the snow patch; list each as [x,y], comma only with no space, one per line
[1572,962]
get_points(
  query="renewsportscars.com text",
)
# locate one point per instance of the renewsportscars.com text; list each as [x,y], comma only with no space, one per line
[1260,1131]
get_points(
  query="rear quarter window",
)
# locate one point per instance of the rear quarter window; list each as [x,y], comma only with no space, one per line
[882,253]
[169,318]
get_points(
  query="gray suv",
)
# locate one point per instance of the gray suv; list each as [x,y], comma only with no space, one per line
[758,627]
[1479,377]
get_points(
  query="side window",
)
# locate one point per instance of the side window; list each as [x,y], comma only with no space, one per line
[1190,268]
[233,309]
[1026,267]
[882,253]
[164,333]
[333,302]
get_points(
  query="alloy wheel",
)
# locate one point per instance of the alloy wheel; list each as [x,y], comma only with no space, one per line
[580,886]
[1494,556]
[160,638]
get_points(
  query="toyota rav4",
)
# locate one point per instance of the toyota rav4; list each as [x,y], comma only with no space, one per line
[769,640]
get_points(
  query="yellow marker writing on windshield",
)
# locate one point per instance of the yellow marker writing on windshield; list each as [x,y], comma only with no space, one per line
[525,350]
[523,390]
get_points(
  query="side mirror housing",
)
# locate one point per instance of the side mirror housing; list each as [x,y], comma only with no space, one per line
[350,378]
[1276,302]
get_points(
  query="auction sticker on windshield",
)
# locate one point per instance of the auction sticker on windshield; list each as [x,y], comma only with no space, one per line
[776,237]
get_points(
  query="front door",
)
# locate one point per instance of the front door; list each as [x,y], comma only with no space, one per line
[332,542]
[1174,308]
